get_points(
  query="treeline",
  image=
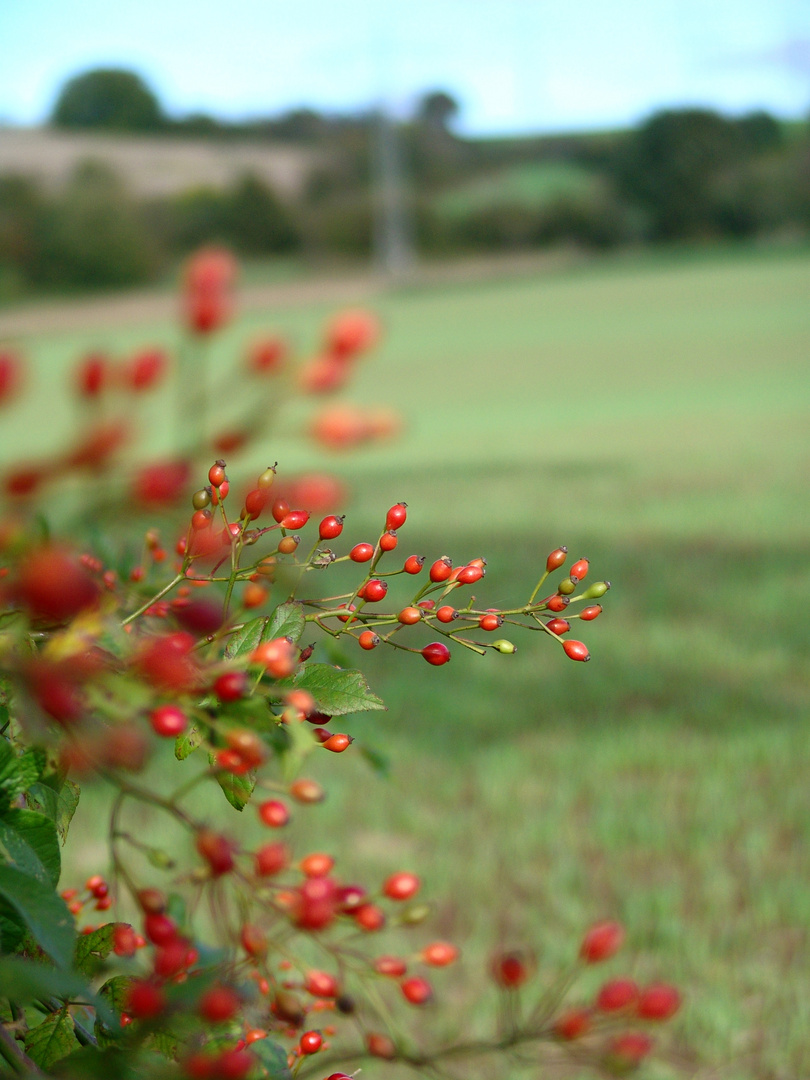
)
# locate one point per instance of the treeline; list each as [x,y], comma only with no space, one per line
[687,175]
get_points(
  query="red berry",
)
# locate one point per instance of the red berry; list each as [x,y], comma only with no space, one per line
[304,790]
[233,1064]
[288,544]
[201,519]
[446,614]
[436,653]
[373,591]
[315,903]
[388,541]
[572,1024]
[616,995]
[558,626]
[381,1046]
[369,917]
[441,569]
[280,509]
[218,1004]
[470,574]
[490,621]
[368,640]
[316,865]
[255,502]
[168,721]
[321,984]
[53,584]
[295,519]
[311,1042]
[361,552]
[591,612]
[144,1000]
[601,942]
[216,849]
[395,518]
[274,813]
[159,928]
[254,940]
[416,990]
[393,966]
[414,564]
[146,369]
[556,602]
[267,355]
[658,1002]
[125,940]
[409,615]
[231,686]
[576,650]
[510,970]
[556,559]
[92,375]
[625,1051]
[401,886]
[351,332]
[270,859]
[337,743]
[330,527]
[171,958]
[578,570]
[439,954]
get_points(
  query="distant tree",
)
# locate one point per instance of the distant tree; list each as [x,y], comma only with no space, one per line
[260,223]
[761,131]
[108,98]
[437,109]
[670,164]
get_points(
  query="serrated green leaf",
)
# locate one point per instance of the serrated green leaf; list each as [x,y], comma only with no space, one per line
[91,948]
[166,1044]
[43,912]
[237,789]
[59,805]
[187,743]
[273,1057]
[17,774]
[286,621]
[335,690]
[51,1040]
[38,833]
[244,641]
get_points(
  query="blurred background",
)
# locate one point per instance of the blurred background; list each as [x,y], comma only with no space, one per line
[586,235]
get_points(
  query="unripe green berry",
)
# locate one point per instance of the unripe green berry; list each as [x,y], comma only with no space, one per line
[593,592]
[566,586]
[200,499]
[504,646]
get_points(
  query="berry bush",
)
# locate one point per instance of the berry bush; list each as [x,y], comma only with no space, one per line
[193,953]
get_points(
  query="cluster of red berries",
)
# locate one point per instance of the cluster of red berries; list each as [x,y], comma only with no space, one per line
[618,1002]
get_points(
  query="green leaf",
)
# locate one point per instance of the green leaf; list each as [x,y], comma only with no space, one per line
[336,691]
[286,621]
[16,773]
[113,995]
[92,948]
[38,833]
[28,980]
[237,789]
[51,1040]
[273,1057]
[43,912]
[244,641]
[186,744]
[57,804]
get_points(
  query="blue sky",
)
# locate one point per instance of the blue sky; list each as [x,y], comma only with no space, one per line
[515,65]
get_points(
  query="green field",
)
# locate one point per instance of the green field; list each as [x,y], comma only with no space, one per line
[654,414]
[531,184]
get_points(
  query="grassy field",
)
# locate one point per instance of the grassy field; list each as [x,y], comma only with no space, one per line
[654,414]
